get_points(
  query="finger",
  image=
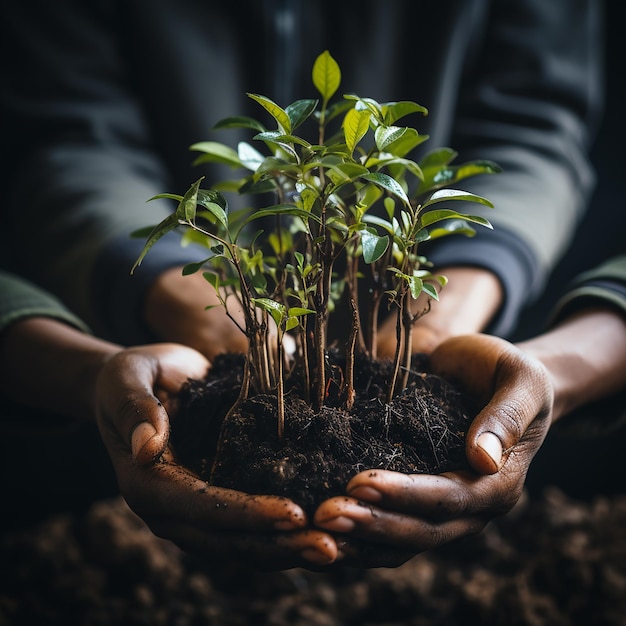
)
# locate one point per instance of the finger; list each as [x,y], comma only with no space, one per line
[177,364]
[166,490]
[440,497]
[307,548]
[516,417]
[131,417]
[513,389]
[347,515]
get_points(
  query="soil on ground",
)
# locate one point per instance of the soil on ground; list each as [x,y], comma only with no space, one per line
[552,561]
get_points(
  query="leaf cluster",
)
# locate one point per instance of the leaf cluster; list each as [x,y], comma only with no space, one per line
[351,198]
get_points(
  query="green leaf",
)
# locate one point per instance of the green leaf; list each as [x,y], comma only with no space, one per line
[215,152]
[452,227]
[161,229]
[326,75]
[240,121]
[283,209]
[277,310]
[437,215]
[416,286]
[336,109]
[374,246]
[438,157]
[278,113]
[405,142]
[379,221]
[297,311]
[443,195]
[355,126]
[249,156]
[291,323]
[346,171]
[300,111]
[280,139]
[387,183]
[186,210]
[430,290]
[215,203]
[475,168]
[192,268]
[440,175]
[213,279]
[168,196]
[393,111]
[253,186]
[386,135]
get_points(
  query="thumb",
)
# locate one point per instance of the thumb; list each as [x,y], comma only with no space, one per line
[517,413]
[149,437]
[485,453]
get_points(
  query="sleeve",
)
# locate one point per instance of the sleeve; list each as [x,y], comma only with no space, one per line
[21,299]
[80,164]
[602,286]
[532,104]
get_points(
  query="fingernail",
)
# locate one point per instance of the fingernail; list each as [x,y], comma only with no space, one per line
[142,434]
[318,558]
[368,494]
[339,524]
[492,446]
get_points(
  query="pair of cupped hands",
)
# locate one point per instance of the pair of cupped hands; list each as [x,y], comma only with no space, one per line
[398,515]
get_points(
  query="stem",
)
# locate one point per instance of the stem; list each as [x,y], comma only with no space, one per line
[320,349]
[243,394]
[407,324]
[304,345]
[396,358]
[349,393]
[280,389]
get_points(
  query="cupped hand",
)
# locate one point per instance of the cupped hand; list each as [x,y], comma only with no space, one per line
[407,514]
[136,391]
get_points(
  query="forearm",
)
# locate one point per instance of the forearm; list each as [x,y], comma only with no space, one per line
[47,364]
[585,355]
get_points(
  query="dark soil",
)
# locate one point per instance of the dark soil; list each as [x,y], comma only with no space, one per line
[421,431]
[552,561]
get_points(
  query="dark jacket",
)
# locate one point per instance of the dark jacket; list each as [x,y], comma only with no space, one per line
[101,99]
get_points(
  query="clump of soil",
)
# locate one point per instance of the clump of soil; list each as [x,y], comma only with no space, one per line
[552,561]
[422,430]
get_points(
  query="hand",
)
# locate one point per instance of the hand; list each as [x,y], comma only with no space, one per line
[135,392]
[175,310]
[413,513]
[470,299]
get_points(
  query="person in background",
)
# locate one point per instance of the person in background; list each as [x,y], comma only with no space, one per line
[100,102]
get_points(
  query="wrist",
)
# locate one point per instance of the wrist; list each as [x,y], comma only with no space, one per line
[50,365]
[585,356]
[469,300]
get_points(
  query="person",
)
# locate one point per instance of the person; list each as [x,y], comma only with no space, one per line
[571,377]
[50,361]
[101,101]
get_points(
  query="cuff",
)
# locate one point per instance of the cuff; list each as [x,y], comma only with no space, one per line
[117,297]
[506,256]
